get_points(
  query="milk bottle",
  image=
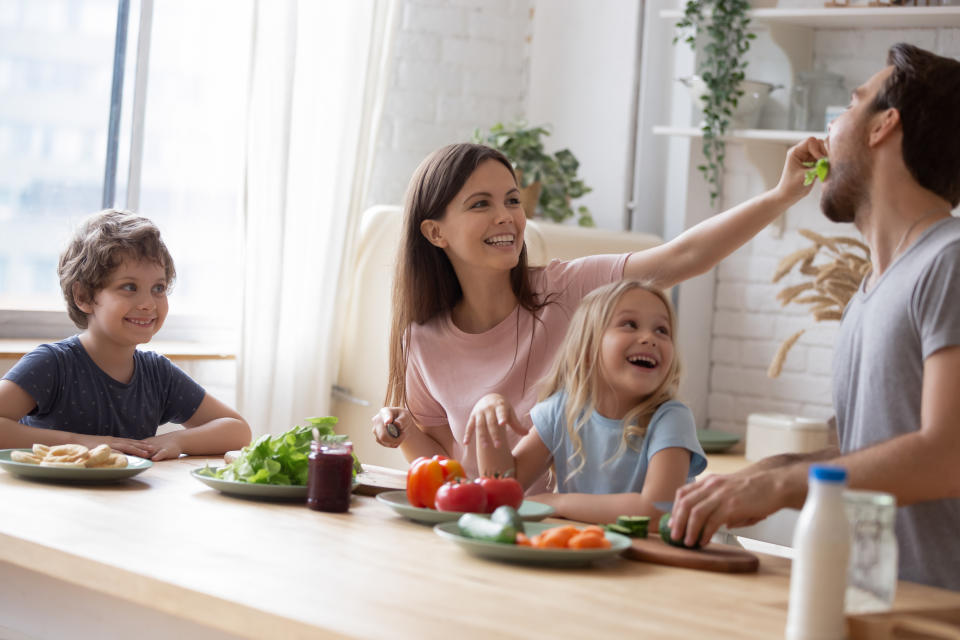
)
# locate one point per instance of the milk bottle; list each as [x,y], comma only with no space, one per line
[821,543]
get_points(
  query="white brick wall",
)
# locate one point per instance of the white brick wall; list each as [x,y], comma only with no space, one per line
[749,323]
[457,66]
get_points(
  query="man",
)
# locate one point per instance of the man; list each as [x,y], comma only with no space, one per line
[895,173]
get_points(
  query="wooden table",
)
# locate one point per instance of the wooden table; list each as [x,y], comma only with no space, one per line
[167,554]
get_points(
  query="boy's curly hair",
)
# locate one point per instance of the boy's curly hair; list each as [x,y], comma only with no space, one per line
[98,247]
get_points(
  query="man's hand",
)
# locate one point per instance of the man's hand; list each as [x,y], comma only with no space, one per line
[493,414]
[735,500]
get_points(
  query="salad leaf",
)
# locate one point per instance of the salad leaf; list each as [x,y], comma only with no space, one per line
[818,169]
[282,458]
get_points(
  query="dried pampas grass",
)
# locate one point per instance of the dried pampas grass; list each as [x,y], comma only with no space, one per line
[831,285]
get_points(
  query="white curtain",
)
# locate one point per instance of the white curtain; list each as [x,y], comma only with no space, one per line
[317,78]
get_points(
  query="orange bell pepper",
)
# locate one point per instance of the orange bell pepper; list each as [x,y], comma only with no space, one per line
[426,475]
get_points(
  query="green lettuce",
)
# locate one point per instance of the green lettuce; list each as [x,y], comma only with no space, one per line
[280,459]
[818,169]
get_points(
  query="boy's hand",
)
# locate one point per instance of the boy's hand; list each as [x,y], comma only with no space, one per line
[492,414]
[390,426]
[166,446]
[139,448]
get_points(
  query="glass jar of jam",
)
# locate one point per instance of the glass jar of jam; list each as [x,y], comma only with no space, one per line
[330,476]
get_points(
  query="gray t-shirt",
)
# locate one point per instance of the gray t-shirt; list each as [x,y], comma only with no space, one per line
[886,334]
[671,425]
[74,394]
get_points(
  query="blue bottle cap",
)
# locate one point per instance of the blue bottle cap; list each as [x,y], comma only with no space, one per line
[827,473]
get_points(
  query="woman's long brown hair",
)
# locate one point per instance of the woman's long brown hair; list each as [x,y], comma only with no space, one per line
[425,283]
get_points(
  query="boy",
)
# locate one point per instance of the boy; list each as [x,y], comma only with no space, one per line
[96,387]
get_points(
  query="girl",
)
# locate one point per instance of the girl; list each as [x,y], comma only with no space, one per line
[474,327]
[607,421]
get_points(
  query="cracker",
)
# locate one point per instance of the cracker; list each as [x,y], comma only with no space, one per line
[25,456]
[99,455]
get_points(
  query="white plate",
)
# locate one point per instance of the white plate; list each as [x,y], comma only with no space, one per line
[254,489]
[397,500]
[532,555]
[134,466]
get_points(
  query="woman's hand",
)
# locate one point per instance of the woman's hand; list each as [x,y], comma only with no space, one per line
[391,425]
[791,185]
[139,448]
[493,414]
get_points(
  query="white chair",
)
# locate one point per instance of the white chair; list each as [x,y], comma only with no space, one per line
[363,351]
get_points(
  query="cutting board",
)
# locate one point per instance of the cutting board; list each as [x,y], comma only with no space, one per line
[901,625]
[374,480]
[715,557]
[371,481]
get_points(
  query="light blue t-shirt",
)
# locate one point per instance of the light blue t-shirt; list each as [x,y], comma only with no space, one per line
[672,425]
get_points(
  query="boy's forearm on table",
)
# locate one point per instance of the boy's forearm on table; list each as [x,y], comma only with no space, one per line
[14,435]
[216,436]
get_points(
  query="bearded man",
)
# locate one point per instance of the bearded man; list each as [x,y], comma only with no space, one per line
[895,174]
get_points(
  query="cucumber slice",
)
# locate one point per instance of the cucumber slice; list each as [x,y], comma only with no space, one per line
[631,522]
[616,528]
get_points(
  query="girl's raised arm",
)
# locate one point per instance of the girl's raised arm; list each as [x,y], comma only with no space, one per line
[701,247]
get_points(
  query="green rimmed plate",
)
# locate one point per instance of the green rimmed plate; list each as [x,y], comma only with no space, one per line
[715,441]
[253,489]
[134,466]
[531,555]
[397,500]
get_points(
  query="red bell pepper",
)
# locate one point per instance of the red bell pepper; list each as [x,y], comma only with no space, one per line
[426,475]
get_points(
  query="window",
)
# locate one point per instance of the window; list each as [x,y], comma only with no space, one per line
[184,171]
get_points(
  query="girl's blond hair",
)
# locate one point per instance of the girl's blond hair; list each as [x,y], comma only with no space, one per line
[577,370]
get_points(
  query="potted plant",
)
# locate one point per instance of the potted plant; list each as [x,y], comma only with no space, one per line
[548,182]
[721,67]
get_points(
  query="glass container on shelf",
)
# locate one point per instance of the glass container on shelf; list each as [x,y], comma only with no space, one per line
[814,95]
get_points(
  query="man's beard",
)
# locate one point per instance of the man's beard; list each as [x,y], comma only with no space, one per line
[846,190]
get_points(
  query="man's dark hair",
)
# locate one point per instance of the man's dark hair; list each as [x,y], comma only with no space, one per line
[925,89]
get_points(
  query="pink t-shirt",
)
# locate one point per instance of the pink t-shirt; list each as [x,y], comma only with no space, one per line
[448,370]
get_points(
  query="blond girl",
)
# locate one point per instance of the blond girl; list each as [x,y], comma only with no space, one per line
[607,422]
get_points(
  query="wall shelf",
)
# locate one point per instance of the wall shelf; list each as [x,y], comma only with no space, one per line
[787,138]
[851,18]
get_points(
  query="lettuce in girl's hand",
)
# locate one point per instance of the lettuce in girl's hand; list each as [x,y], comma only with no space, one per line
[819,169]
[279,459]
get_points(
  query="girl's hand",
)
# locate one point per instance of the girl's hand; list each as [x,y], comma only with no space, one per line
[167,446]
[791,185]
[139,448]
[390,426]
[493,414]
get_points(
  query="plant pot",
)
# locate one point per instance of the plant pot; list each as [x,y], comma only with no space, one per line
[529,197]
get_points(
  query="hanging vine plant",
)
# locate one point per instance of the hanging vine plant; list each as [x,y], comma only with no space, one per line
[725,23]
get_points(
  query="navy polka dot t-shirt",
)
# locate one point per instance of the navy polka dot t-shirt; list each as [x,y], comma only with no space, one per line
[74,394]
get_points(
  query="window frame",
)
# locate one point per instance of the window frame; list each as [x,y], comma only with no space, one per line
[49,324]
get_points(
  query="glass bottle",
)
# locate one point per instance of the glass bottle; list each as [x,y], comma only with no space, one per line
[821,543]
[872,576]
[330,476]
